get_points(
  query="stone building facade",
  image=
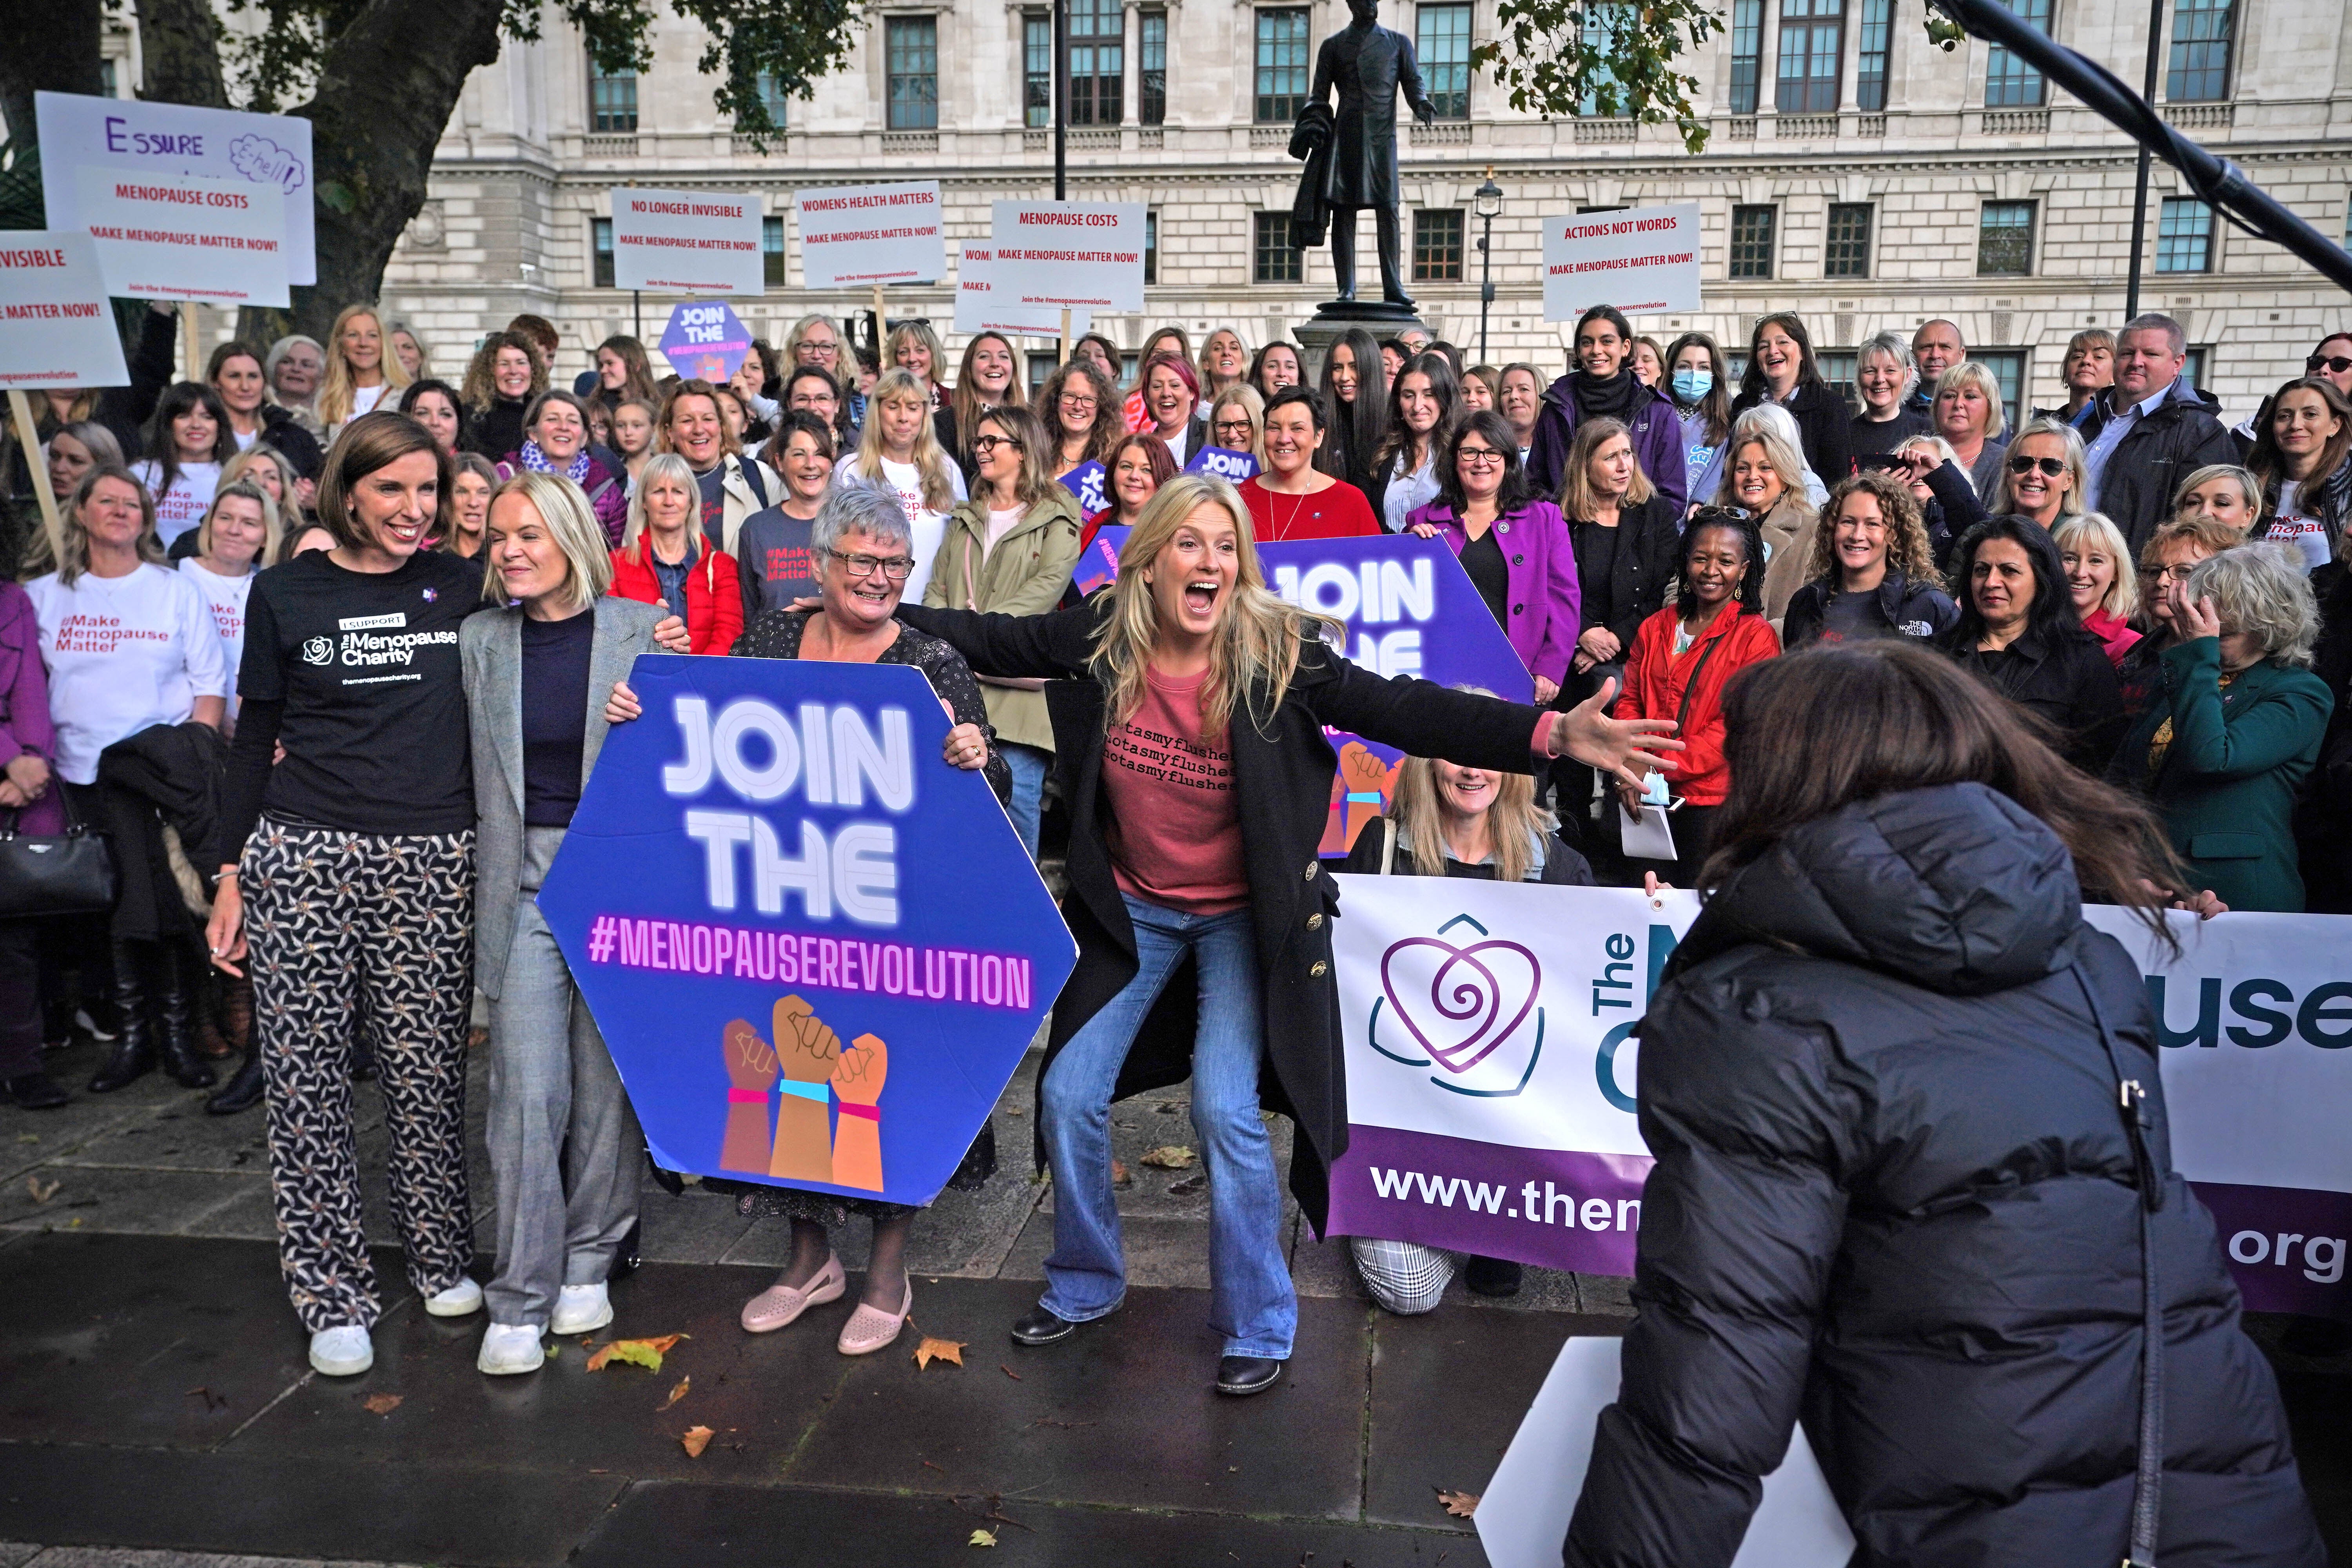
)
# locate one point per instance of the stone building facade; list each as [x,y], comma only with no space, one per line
[1855,172]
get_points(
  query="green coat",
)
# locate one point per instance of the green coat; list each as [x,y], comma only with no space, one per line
[2228,783]
[1026,575]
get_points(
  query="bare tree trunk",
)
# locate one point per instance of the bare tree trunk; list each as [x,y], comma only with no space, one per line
[52,46]
[390,83]
[179,46]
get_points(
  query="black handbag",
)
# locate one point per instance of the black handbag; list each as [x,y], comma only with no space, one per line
[71,874]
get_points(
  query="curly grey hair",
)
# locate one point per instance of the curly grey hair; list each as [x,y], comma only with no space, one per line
[2262,590]
[853,507]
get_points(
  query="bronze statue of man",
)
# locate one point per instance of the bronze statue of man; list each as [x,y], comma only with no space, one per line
[1352,157]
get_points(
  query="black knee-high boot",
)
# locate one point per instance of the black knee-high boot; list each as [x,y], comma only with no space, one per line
[182,1060]
[132,1056]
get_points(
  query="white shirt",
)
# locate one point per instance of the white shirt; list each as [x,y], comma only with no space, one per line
[182,507]
[1407,492]
[224,596]
[365,398]
[2290,525]
[123,654]
[905,481]
[1176,444]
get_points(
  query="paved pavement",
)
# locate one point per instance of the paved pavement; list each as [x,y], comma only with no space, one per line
[156,1410]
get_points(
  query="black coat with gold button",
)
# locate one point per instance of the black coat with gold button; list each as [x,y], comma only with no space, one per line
[1281,774]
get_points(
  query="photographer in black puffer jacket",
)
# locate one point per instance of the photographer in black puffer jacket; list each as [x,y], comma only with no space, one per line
[1895,1194]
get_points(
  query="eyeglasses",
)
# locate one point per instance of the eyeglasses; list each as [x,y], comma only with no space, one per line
[2053,467]
[1078,400]
[1233,428]
[898,568]
[983,445]
[2335,363]
[1477,456]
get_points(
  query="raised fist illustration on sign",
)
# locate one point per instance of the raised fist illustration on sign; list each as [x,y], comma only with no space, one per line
[806,1051]
[857,1079]
[751,1073]
[1361,793]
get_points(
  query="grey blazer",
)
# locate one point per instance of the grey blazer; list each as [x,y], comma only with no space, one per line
[491,646]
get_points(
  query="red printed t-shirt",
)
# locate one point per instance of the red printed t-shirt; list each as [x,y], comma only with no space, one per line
[1176,829]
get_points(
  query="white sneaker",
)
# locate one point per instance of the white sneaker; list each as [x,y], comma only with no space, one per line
[511,1348]
[344,1350]
[462,1300]
[582,1309]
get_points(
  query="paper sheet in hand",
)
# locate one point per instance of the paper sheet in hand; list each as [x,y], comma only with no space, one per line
[1523,1517]
[1648,837]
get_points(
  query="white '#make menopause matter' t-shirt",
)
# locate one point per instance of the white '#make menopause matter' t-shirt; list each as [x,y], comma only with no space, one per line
[905,481]
[182,507]
[2290,526]
[226,597]
[123,654]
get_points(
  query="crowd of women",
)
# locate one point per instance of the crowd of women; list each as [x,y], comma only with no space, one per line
[2151,599]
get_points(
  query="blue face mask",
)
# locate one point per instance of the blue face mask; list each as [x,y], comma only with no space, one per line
[1690,385]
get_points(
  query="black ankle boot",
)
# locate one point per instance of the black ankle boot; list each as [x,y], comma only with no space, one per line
[182,1059]
[132,1054]
[244,1089]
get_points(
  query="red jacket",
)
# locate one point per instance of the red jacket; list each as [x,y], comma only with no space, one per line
[1656,676]
[714,603]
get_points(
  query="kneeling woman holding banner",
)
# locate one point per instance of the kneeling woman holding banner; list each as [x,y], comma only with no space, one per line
[1190,724]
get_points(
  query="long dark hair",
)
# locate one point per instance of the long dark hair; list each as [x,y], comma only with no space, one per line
[2269,464]
[1516,493]
[1107,427]
[1809,370]
[1728,520]
[1717,404]
[1812,731]
[2049,617]
[1445,385]
[179,399]
[1356,427]
[1258,362]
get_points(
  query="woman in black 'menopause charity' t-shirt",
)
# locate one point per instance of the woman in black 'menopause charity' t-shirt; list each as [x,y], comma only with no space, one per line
[349,869]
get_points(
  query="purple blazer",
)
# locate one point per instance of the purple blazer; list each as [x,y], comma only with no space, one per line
[1546,604]
[24,723]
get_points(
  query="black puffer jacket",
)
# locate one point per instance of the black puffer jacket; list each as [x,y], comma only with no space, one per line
[1894,1196]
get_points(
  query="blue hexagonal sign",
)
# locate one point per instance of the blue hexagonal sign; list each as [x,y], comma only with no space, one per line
[816,949]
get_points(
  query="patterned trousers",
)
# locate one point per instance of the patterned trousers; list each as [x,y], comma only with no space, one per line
[352,930]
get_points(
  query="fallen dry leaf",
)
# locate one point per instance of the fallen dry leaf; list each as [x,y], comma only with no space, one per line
[1461,1505]
[41,1194]
[693,1439]
[647,1353]
[932,1350]
[1170,1157]
[381,1404]
[1008,1372]
[1121,1177]
[1188,1186]
[981,1538]
[676,1393]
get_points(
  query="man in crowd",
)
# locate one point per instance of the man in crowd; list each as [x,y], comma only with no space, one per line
[2151,430]
[1937,347]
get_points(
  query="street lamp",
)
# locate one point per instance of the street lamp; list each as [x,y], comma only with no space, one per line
[1487,203]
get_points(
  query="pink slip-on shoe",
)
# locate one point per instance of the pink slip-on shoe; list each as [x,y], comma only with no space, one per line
[870,1328]
[779,1305]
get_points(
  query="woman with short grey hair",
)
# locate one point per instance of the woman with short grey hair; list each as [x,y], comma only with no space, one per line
[1884,376]
[2227,741]
[562,1140]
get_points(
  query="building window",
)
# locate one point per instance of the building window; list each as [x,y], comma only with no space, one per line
[599,252]
[1281,65]
[1812,48]
[106,82]
[2202,31]
[1097,62]
[1151,68]
[1607,22]
[611,101]
[2184,236]
[1151,245]
[910,47]
[1437,245]
[1847,254]
[1747,53]
[1836,366]
[1443,44]
[2008,367]
[2010,81]
[2005,239]
[1036,70]
[1751,241]
[2193,370]
[772,98]
[771,251]
[1276,258]
[1870,70]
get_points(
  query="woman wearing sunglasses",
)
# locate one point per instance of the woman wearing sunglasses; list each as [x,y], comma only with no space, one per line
[2043,477]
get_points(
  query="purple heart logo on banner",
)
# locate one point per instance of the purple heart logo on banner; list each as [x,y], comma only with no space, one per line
[1473,989]
[1223,462]
[705,341]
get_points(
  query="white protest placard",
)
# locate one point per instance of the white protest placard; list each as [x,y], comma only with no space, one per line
[1069,253]
[695,242]
[984,305]
[1524,1514]
[59,328]
[173,140]
[179,237]
[853,236]
[1642,260]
